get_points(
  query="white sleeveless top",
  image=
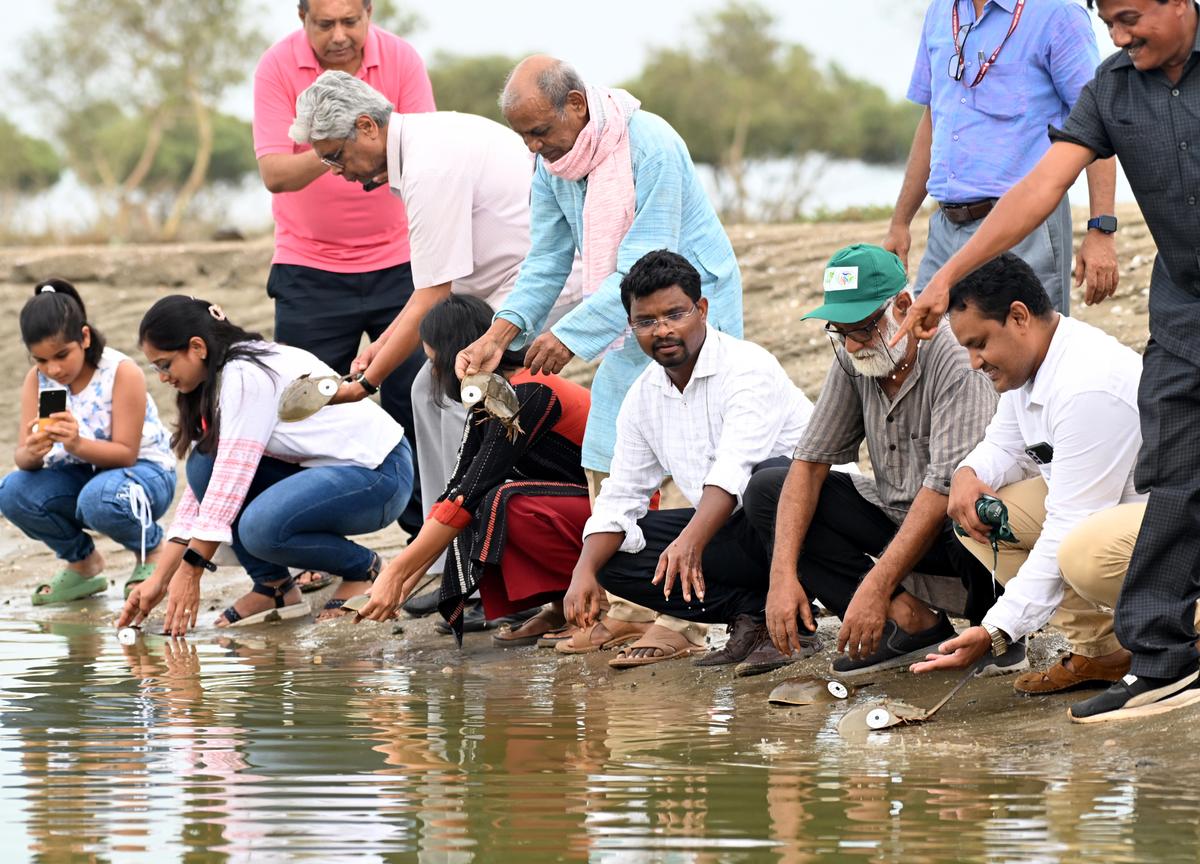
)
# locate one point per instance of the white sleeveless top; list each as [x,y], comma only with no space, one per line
[92,409]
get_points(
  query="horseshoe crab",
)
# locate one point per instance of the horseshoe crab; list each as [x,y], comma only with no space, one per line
[809,691]
[306,396]
[498,399]
[883,715]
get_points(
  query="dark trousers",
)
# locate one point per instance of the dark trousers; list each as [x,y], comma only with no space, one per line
[847,528]
[1154,614]
[327,313]
[735,565]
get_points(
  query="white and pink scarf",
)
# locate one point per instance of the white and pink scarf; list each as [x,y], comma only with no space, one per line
[601,153]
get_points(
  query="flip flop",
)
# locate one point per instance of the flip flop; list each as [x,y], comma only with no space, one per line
[279,613]
[672,645]
[67,585]
[529,631]
[339,603]
[323,579]
[141,572]
[616,633]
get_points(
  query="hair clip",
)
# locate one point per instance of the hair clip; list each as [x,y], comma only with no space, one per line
[46,289]
[216,312]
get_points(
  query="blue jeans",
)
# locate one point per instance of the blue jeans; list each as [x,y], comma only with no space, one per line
[300,517]
[55,505]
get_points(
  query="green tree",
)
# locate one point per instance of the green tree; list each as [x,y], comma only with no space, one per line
[470,84]
[131,77]
[392,17]
[740,94]
[29,166]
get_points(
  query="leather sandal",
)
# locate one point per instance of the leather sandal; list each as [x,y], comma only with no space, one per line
[530,630]
[669,644]
[605,633]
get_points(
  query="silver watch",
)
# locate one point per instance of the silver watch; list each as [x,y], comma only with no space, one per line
[999,640]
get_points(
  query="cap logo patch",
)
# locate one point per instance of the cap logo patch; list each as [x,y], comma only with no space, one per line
[841,278]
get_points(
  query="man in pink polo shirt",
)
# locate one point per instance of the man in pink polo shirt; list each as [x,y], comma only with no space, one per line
[341,264]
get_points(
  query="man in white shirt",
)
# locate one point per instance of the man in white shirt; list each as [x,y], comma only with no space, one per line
[707,412]
[465,184]
[1061,448]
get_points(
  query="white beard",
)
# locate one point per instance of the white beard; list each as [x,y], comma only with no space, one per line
[877,362]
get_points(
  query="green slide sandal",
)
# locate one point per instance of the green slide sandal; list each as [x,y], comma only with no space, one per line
[67,585]
[141,572]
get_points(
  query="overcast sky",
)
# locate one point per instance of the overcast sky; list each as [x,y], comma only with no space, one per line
[872,39]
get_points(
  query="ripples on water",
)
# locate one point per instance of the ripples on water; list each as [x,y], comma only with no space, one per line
[250,751]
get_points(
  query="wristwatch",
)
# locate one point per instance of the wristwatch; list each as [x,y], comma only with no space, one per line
[191,556]
[1103,224]
[999,640]
[361,380]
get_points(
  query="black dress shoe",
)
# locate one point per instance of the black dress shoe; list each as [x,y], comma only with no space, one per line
[422,604]
[474,622]
[744,635]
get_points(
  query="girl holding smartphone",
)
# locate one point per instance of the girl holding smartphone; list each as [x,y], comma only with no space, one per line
[99,458]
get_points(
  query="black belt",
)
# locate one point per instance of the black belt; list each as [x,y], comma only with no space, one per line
[969,211]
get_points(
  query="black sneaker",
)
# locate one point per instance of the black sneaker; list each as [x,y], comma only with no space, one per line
[896,648]
[1012,660]
[423,604]
[1138,696]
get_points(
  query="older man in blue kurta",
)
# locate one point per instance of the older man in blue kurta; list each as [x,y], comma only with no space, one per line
[992,75]
[613,182]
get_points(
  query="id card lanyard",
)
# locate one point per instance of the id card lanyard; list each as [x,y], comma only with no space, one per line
[983,69]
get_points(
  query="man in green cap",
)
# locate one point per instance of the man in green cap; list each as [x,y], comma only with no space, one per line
[851,541]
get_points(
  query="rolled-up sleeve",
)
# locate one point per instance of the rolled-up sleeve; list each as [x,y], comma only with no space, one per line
[754,417]
[634,476]
[836,429]
[1096,443]
[963,405]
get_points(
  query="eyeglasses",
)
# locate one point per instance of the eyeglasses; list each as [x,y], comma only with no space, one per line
[649,325]
[334,160]
[163,367]
[862,335]
[958,62]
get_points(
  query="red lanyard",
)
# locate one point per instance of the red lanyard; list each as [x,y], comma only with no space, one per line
[1016,19]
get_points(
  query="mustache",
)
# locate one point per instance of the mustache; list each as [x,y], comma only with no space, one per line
[665,343]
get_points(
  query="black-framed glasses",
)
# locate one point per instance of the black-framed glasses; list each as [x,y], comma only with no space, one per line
[649,325]
[334,159]
[862,335]
[958,62]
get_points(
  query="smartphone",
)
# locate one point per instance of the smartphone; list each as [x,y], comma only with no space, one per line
[1042,453]
[51,402]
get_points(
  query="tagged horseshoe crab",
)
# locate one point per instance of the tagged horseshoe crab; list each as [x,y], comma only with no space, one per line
[883,715]
[306,396]
[498,399]
[809,691]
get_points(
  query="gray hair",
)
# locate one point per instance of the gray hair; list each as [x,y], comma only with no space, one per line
[328,109]
[555,83]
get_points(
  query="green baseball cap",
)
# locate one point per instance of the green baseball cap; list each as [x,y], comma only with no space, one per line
[858,280]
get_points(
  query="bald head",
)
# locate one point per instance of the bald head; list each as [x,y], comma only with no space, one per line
[545,102]
[541,77]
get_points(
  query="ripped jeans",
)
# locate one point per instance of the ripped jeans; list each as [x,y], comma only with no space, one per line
[55,505]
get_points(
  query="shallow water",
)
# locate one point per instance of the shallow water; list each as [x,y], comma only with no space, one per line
[260,750]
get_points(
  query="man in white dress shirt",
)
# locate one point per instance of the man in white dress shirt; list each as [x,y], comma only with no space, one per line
[707,412]
[465,183]
[1061,448]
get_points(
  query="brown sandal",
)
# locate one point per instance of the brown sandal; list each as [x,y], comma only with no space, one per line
[605,633]
[667,642]
[530,630]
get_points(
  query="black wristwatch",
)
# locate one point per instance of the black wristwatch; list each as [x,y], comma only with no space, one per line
[361,380]
[191,556]
[1103,224]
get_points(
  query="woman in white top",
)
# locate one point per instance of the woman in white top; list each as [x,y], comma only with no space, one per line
[104,463]
[281,494]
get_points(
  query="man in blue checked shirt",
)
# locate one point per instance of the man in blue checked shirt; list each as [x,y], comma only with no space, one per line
[992,75]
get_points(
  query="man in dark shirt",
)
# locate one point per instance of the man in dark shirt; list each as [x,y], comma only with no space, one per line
[1144,107]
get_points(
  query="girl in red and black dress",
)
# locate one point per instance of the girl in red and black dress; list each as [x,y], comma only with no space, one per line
[513,511]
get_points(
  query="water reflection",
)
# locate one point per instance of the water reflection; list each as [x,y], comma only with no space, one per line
[239,750]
